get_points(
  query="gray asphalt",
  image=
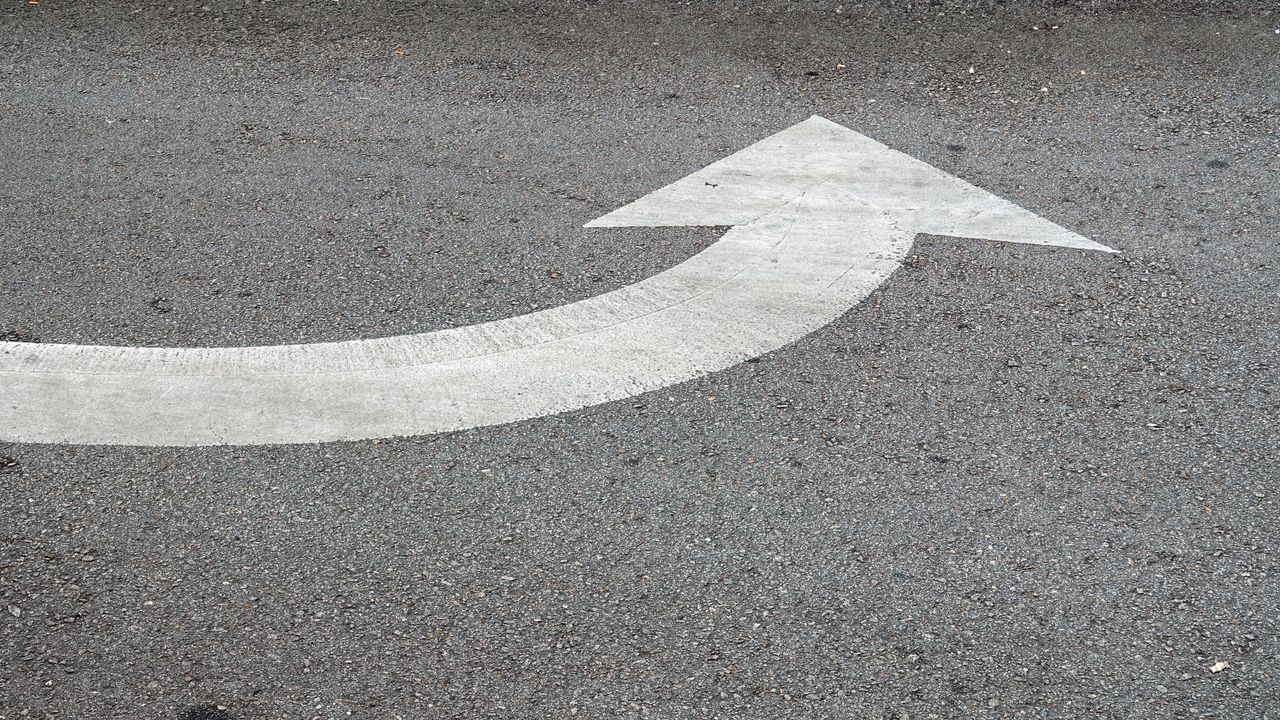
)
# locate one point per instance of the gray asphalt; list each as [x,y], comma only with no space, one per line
[1015,482]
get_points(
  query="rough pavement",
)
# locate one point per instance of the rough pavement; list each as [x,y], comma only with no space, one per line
[1016,482]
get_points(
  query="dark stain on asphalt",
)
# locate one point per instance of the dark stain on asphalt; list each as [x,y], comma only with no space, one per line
[206,712]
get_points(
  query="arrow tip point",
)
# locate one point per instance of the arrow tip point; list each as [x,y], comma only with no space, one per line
[1083,243]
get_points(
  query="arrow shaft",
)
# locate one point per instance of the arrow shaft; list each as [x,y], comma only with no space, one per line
[761,286]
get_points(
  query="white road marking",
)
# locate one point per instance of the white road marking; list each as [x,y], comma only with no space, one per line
[821,215]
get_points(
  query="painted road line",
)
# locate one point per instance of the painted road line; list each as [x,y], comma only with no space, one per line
[821,216]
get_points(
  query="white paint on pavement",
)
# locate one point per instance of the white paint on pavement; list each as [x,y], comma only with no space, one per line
[821,216]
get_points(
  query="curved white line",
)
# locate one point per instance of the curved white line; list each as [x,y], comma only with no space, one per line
[760,287]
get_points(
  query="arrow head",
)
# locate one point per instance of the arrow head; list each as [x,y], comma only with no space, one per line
[818,155]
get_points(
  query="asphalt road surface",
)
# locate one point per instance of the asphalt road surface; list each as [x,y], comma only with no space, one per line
[1013,482]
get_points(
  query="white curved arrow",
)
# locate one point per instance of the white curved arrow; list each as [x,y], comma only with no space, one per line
[821,215]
